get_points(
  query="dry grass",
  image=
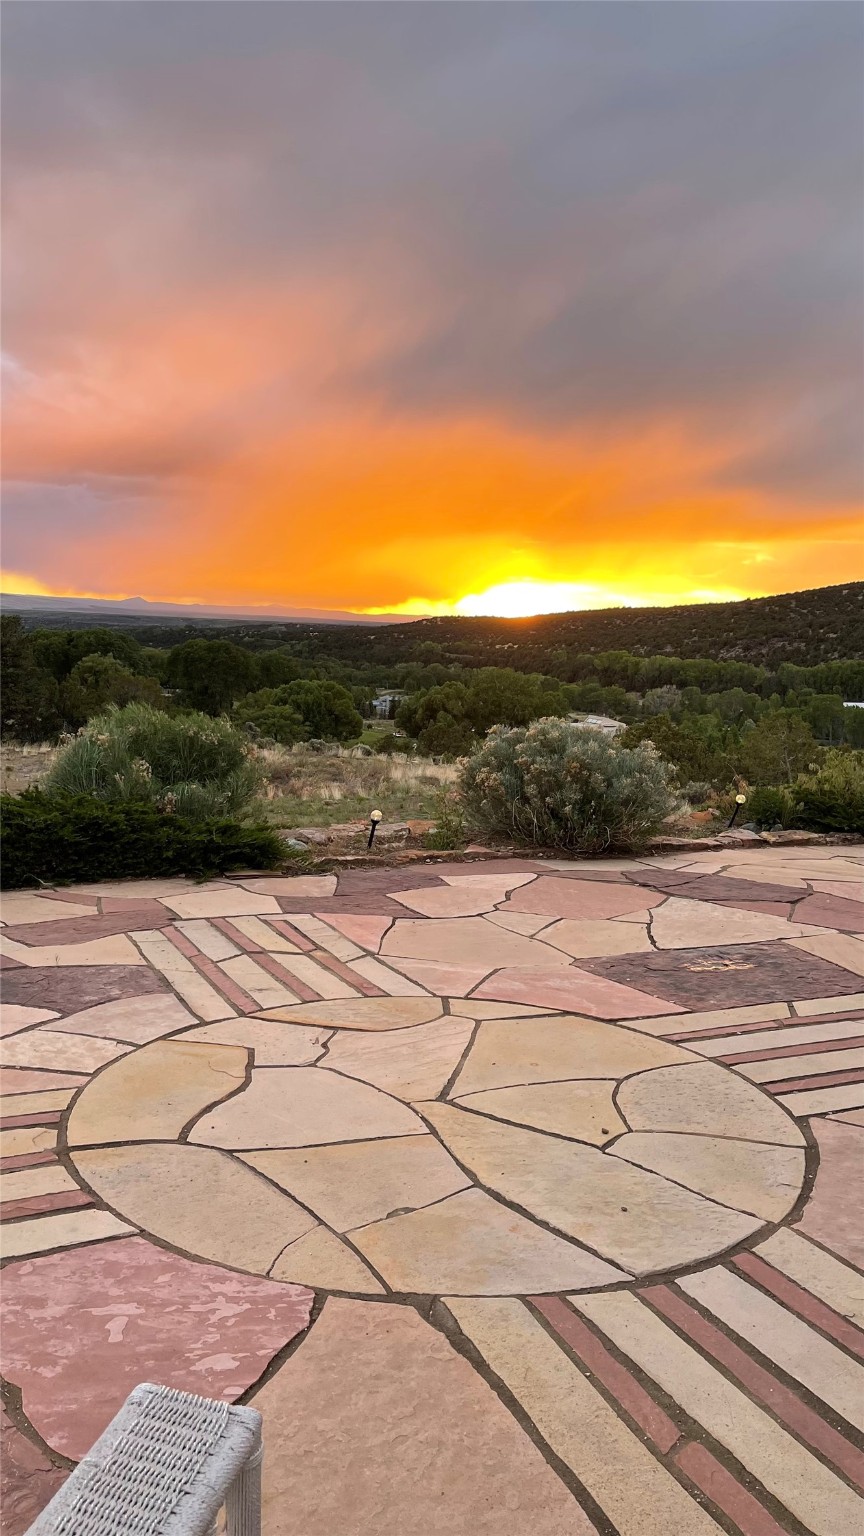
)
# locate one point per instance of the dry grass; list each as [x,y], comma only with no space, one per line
[307,789]
[21,766]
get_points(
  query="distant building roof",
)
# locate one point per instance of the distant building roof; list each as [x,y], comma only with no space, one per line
[599,723]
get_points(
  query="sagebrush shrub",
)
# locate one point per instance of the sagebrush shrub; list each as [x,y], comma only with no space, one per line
[190,764]
[559,785]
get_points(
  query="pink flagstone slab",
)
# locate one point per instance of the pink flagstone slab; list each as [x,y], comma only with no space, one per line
[14,1018]
[28,1480]
[80,930]
[832,1216]
[377,1427]
[581,898]
[366,931]
[83,1327]
[138,1019]
[574,990]
[27,1080]
[828,911]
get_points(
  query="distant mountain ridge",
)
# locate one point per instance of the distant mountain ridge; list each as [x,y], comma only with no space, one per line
[819,624]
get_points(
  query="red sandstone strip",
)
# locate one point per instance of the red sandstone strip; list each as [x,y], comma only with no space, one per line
[719,1484]
[211,972]
[38,1205]
[339,968]
[624,1387]
[26,1160]
[787,1406]
[808,1048]
[820,1080]
[279,925]
[293,983]
[235,935]
[799,1300]
[36,1117]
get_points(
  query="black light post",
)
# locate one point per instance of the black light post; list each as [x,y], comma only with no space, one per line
[739,801]
[374,819]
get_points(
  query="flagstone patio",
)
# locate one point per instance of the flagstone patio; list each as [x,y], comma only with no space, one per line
[518,1195]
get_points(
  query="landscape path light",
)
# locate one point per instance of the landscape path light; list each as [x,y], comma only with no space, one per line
[739,801]
[374,818]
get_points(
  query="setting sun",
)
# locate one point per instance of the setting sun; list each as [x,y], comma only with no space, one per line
[524,599]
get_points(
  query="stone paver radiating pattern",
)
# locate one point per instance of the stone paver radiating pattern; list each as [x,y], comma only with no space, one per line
[518,1194]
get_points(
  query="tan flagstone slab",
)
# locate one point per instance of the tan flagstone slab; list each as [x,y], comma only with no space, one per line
[260,985]
[507,1052]
[36,1103]
[492,882]
[584,899]
[749,1176]
[633,1488]
[837,1284]
[583,938]
[196,1199]
[261,933]
[115,950]
[470,1008]
[22,1140]
[15,1017]
[64,1052]
[211,941]
[788,1341]
[636,1219]
[230,901]
[432,975]
[301,1106]
[358,1182]
[840,948]
[706,1099]
[818,1007]
[680,1025]
[298,887]
[66,1229]
[153,1093]
[450,901]
[414,1064]
[811,1491]
[181,974]
[642,916]
[322,1260]
[526,923]
[393,979]
[684,924]
[322,934]
[470,1244]
[275,1045]
[813,1064]
[304,968]
[25,1183]
[842,888]
[134,1019]
[361,1013]
[421,1442]
[465,941]
[134,890]
[821,1101]
[778,1039]
[23,907]
[581,1111]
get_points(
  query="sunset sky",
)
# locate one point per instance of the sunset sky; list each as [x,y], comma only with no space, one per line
[379,306]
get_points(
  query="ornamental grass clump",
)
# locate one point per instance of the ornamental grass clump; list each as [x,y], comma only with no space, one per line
[189,765]
[558,785]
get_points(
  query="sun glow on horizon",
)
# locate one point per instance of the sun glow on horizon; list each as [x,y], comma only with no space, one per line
[527,599]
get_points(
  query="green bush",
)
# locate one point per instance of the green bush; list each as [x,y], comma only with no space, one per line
[832,799]
[190,764]
[562,786]
[60,838]
[769,807]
